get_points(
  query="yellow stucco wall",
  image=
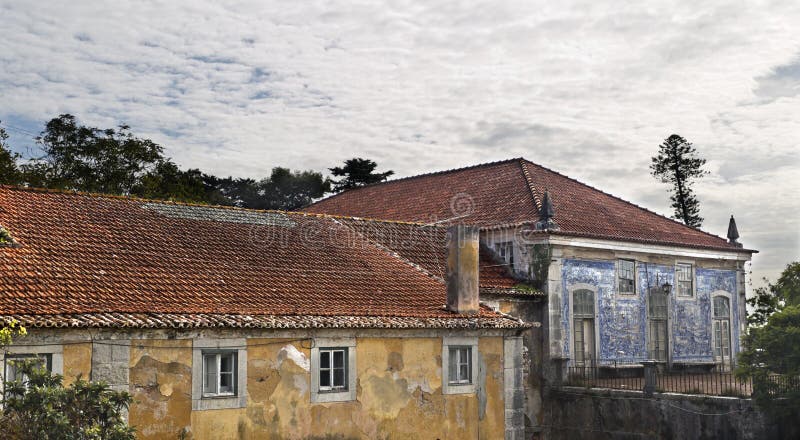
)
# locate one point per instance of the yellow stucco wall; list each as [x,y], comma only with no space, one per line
[161,385]
[399,394]
[77,362]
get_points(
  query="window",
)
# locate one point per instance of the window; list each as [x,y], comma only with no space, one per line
[657,306]
[683,275]
[460,366]
[722,330]
[583,327]
[219,374]
[506,251]
[332,369]
[626,276]
[12,365]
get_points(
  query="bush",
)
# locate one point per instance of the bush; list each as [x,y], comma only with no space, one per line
[41,408]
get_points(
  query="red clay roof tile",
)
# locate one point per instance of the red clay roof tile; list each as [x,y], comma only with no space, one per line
[510,193]
[89,255]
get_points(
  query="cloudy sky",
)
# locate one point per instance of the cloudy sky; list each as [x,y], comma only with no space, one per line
[587,88]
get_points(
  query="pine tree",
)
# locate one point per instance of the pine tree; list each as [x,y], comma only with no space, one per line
[677,164]
[357,172]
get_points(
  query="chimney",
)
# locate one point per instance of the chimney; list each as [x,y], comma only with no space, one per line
[733,233]
[462,269]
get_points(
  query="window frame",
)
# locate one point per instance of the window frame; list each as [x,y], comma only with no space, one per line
[53,351]
[620,278]
[331,369]
[449,386]
[323,394]
[206,346]
[692,282]
[218,355]
[509,245]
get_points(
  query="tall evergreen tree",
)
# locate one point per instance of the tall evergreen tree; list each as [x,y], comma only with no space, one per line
[677,164]
[357,172]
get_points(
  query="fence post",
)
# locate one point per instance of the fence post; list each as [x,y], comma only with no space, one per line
[649,377]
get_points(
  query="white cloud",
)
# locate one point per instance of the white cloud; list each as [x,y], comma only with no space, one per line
[588,88]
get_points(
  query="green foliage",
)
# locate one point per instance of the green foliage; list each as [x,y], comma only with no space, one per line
[82,158]
[677,164]
[772,359]
[770,299]
[283,189]
[43,409]
[9,171]
[10,329]
[357,172]
[168,182]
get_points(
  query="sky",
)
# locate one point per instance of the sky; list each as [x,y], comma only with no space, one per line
[589,89]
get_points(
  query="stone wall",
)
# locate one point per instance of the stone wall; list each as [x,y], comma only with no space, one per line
[612,414]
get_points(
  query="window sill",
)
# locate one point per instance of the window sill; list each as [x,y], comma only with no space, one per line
[333,396]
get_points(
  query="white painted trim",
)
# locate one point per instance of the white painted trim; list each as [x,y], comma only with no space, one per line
[732,357]
[200,403]
[461,341]
[693,276]
[347,395]
[623,246]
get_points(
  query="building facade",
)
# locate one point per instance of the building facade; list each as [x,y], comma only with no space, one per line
[238,324]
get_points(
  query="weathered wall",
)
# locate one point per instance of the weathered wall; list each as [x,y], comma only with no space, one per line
[605,414]
[161,386]
[77,362]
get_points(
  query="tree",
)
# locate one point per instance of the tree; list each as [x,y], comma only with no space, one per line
[82,158]
[283,189]
[772,351]
[677,164]
[168,182]
[9,171]
[772,298]
[42,408]
[288,190]
[357,172]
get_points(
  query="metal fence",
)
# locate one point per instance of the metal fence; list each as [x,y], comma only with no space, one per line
[632,377]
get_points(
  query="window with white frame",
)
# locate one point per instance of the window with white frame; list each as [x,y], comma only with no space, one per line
[219,374]
[333,369]
[683,277]
[459,364]
[506,251]
[626,276]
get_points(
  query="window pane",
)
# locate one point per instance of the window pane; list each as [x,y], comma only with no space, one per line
[464,355]
[324,359]
[338,377]
[226,382]
[338,359]
[210,376]
[226,363]
[325,378]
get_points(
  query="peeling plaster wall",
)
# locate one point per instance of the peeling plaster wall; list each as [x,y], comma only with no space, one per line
[161,385]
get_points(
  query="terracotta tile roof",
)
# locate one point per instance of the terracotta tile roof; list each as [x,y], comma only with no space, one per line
[84,257]
[423,246]
[510,193]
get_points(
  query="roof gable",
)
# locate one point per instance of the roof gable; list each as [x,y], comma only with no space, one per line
[510,192]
